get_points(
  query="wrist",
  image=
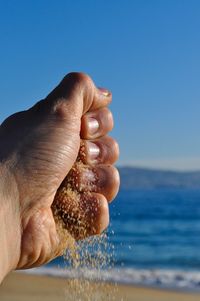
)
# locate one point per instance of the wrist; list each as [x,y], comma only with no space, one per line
[9,223]
[4,261]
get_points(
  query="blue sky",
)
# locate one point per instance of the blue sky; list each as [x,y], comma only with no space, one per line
[146,52]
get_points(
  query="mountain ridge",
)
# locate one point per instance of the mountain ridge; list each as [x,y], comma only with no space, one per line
[141,177]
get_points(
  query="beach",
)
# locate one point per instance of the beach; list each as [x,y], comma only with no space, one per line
[26,287]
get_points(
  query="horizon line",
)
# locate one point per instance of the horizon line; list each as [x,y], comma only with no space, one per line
[178,164]
[164,169]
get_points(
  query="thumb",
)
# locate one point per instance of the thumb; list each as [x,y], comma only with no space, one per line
[79,91]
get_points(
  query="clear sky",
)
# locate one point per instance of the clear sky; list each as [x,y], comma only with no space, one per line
[146,51]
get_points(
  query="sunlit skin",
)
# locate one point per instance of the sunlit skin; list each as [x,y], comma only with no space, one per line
[38,149]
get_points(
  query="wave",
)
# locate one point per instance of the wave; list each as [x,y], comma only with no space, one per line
[175,279]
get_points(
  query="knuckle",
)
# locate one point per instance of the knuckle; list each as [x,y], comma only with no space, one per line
[110,149]
[103,219]
[106,112]
[113,150]
[79,79]
[115,182]
[116,148]
[111,120]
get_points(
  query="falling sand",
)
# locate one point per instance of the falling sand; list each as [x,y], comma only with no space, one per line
[74,217]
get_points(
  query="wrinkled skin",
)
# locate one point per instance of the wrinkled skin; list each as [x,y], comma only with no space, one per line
[40,147]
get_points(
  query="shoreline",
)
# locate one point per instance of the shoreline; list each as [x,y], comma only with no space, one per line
[26,287]
[173,280]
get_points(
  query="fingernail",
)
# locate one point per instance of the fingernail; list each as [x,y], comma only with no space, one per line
[93,125]
[93,150]
[104,91]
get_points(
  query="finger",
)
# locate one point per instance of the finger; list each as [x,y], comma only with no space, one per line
[102,179]
[78,92]
[83,214]
[96,123]
[103,150]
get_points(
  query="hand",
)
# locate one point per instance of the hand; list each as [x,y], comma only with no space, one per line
[38,148]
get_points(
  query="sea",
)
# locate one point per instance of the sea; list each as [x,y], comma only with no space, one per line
[153,240]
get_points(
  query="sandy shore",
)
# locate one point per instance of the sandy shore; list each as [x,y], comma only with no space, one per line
[23,287]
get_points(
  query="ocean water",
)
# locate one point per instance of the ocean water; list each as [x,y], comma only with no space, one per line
[155,240]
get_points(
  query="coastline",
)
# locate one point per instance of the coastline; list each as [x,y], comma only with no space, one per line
[22,286]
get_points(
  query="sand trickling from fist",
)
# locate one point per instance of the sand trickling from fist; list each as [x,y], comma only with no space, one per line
[86,258]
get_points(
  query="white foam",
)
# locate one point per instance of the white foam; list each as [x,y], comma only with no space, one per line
[156,277]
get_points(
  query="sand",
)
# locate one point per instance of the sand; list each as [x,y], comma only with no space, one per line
[25,287]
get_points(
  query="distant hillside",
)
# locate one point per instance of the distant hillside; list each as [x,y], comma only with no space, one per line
[132,177]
